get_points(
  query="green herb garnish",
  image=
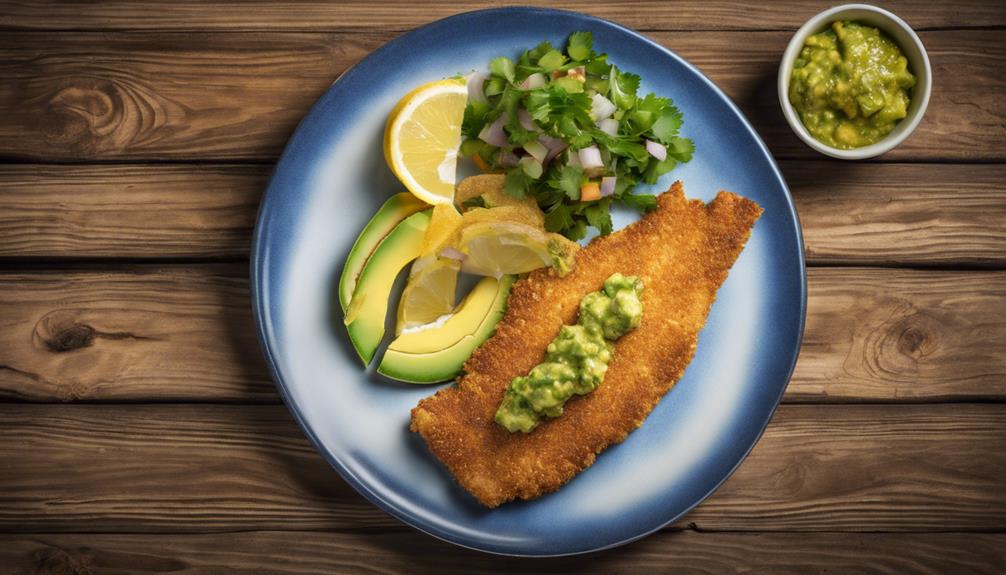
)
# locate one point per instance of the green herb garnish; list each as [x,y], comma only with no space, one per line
[541,110]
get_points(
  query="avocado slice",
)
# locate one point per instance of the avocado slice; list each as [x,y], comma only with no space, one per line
[366,311]
[396,209]
[436,354]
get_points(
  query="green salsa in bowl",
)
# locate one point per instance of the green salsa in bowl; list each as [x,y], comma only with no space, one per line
[854,82]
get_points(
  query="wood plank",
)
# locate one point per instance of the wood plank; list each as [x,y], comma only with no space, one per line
[149,333]
[887,335]
[161,95]
[401,15]
[917,214]
[188,468]
[322,553]
[136,211]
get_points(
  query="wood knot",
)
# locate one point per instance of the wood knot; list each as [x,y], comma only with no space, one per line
[911,340]
[59,332]
[83,112]
[89,115]
[915,341]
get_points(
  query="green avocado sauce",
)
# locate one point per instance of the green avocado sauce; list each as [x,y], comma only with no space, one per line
[577,359]
[850,85]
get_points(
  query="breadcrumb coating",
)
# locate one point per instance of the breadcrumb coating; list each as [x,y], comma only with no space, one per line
[683,251]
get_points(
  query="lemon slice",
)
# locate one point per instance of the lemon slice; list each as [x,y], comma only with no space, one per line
[499,248]
[429,293]
[422,138]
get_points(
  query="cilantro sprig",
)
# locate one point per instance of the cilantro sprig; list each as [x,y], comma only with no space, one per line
[554,98]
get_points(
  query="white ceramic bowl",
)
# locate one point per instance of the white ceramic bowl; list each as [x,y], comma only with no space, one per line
[911,46]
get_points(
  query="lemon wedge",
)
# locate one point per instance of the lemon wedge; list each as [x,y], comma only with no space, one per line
[429,294]
[422,138]
[499,248]
[430,291]
[444,221]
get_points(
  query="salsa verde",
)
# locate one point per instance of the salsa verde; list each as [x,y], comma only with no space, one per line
[850,85]
[577,359]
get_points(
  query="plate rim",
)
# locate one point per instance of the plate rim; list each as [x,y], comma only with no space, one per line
[263,324]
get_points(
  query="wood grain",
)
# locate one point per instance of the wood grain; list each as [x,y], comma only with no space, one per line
[400,14]
[207,96]
[323,553]
[917,214]
[149,334]
[153,333]
[884,335]
[852,214]
[129,211]
[186,468]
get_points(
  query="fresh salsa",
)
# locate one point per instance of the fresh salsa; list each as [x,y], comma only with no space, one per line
[570,130]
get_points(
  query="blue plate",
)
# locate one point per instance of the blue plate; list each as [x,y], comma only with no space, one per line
[331,179]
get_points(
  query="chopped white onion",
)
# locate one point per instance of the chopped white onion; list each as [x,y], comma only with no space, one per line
[601,108]
[507,159]
[453,254]
[537,150]
[526,120]
[476,81]
[609,126]
[607,186]
[494,135]
[656,150]
[536,80]
[590,158]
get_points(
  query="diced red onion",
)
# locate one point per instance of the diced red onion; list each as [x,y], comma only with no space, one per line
[553,145]
[476,81]
[607,186]
[609,126]
[537,150]
[452,254]
[590,158]
[494,135]
[601,108]
[656,150]
[526,120]
[507,159]
[536,80]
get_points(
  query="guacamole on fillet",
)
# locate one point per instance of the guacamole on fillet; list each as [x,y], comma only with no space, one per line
[850,85]
[577,359]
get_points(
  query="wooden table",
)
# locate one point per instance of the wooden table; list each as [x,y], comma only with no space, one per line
[139,429]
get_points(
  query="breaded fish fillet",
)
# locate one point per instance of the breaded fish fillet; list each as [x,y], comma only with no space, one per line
[682,251]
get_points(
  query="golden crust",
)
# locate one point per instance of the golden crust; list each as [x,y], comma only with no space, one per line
[683,251]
